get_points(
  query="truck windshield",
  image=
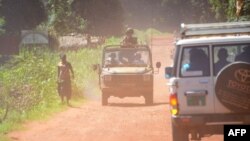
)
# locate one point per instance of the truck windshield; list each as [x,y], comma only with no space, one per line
[126,57]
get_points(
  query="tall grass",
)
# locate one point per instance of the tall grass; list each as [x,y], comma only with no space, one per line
[28,83]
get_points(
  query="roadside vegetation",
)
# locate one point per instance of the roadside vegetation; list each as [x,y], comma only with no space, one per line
[28,81]
[29,84]
[28,88]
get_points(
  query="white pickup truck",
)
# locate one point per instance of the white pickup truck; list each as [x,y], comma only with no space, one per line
[210,79]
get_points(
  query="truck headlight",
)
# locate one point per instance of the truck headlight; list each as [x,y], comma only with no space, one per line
[146,77]
[107,78]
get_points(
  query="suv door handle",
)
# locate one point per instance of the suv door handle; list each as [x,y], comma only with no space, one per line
[203,81]
[196,93]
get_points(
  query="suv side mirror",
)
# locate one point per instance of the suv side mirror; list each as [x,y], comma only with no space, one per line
[158,65]
[168,72]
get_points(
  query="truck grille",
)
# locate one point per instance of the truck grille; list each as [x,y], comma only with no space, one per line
[127,78]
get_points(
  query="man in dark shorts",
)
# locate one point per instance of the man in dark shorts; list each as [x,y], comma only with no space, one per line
[64,78]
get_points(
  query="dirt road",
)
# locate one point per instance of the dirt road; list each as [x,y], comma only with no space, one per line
[123,120]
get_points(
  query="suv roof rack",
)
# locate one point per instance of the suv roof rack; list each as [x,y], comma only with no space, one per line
[214,29]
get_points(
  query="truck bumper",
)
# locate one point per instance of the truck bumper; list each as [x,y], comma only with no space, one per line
[201,120]
[209,124]
[128,91]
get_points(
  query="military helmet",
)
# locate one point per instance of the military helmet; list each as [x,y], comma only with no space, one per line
[130,31]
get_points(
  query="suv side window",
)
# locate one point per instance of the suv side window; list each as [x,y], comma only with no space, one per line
[226,54]
[195,62]
[222,56]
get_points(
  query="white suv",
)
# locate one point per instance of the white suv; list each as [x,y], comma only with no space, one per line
[210,79]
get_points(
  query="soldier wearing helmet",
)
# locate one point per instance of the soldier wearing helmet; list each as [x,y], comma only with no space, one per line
[129,40]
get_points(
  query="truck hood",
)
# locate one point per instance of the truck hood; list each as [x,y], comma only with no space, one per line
[126,70]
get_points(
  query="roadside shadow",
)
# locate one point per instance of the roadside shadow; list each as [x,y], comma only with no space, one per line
[160,103]
[136,104]
[72,106]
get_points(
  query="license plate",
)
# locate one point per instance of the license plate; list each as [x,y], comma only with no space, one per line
[127,85]
[196,101]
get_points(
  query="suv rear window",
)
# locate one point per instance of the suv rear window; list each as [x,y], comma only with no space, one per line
[226,54]
[195,62]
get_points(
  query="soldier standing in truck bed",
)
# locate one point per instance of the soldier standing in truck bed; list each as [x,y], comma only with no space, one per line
[129,40]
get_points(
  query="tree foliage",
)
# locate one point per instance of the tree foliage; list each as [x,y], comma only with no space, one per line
[2,23]
[104,17]
[226,10]
[22,14]
[169,14]
[108,17]
[62,19]
[188,11]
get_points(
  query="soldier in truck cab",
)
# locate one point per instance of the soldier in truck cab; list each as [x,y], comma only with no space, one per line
[138,59]
[112,59]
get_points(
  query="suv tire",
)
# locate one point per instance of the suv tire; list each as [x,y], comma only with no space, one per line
[104,98]
[149,98]
[179,134]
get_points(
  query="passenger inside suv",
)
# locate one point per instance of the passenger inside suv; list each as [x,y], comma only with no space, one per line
[222,62]
[244,56]
[199,61]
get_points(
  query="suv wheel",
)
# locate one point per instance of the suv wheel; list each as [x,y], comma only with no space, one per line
[104,98]
[179,134]
[149,99]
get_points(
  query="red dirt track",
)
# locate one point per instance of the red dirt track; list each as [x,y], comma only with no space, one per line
[125,119]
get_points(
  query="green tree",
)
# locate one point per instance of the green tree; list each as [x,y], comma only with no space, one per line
[190,10]
[167,14]
[2,23]
[226,10]
[104,17]
[22,14]
[246,11]
[62,19]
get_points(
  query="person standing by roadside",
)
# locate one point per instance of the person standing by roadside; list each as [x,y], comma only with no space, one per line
[64,78]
